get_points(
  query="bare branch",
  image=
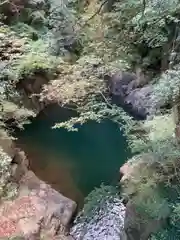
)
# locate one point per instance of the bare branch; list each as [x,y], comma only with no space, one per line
[2,3]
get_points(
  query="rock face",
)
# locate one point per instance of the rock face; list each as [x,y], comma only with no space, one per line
[136,230]
[106,224]
[135,226]
[9,48]
[140,101]
[30,90]
[126,92]
[38,210]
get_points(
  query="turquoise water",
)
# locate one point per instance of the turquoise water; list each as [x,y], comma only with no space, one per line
[73,162]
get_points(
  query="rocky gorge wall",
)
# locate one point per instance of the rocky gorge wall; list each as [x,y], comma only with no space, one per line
[46,212]
[40,212]
[107,222]
[37,211]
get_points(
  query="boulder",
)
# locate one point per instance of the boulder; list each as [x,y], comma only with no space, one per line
[107,223]
[136,225]
[136,229]
[140,101]
[7,144]
[53,208]
[38,211]
[119,82]
[16,172]
[29,228]
[136,98]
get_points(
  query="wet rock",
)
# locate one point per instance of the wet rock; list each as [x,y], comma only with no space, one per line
[55,209]
[39,210]
[19,165]
[118,83]
[29,88]
[130,169]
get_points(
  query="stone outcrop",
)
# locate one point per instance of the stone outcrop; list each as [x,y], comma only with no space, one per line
[135,226]
[140,101]
[37,210]
[30,90]
[125,91]
[107,223]
[137,230]
[10,48]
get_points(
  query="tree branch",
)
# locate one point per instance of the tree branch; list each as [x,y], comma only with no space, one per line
[2,3]
[97,12]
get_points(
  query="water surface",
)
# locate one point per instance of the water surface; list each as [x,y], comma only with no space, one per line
[74,163]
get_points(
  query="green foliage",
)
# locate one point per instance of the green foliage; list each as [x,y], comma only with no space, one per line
[12,111]
[151,204]
[25,30]
[135,32]
[33,63]
[172,231]
[175,215]
[35,59]
[97,200]
[141,30]
[61,20]
[7,189]
[154,175]
[98,111]
[167,89]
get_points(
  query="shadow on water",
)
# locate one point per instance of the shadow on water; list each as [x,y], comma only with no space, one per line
[74,163]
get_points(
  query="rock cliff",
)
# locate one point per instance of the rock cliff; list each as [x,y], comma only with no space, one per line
[105,223]
[37,210]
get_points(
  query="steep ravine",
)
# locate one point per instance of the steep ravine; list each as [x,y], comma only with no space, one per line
[98,164]
[75,163]
[107,221]
[37,211]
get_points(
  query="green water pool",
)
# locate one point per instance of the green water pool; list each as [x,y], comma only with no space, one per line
[74,163]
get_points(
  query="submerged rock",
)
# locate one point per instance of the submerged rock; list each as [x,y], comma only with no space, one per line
[106,223]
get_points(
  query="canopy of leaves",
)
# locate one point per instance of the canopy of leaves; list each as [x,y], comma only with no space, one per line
[96,42]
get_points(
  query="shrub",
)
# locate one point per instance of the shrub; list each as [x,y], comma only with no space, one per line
[36,60]
[97,200]
[167,88]
[36,63]
[7,189]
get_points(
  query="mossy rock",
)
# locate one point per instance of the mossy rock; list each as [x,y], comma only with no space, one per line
[13,238]
[4,29]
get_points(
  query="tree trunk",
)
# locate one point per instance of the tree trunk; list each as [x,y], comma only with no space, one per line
[109,6]
[176,115]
